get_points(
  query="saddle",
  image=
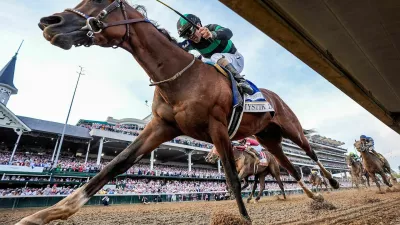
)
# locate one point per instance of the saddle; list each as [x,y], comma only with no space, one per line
[261,158]
[241,102]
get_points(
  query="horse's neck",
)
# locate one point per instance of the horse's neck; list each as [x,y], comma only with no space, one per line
[160,58]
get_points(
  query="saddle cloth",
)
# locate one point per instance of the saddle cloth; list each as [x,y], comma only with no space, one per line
[264,159]
[256,102]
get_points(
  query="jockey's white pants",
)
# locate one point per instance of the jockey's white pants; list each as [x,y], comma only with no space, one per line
[258,148]
[236,59]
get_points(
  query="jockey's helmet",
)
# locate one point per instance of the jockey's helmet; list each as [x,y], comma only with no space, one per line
[363,137]
[185,29]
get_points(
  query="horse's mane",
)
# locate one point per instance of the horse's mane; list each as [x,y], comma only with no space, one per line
[142,10]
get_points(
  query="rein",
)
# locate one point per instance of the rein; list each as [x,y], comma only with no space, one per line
[175,76]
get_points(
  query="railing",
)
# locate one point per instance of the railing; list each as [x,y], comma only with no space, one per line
[57,174]
[14,202]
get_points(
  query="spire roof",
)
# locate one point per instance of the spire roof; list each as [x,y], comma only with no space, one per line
[7,73]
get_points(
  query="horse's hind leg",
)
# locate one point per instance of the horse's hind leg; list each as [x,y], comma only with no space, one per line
[297,136]
[271,139]
[155,133]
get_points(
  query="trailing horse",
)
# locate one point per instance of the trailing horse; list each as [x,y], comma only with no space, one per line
[357,172]
[246,166]
[374,165]
[191,98]
[316,180]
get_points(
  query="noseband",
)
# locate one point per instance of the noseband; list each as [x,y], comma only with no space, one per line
[96,25]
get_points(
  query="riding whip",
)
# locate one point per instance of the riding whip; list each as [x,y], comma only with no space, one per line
[180,14]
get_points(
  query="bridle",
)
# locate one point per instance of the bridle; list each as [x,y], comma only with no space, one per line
[361,147]
[96,25]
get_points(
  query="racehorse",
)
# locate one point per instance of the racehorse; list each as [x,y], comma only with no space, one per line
[373,165]
[191,98]
[246,167]
[357,172]
[316,180]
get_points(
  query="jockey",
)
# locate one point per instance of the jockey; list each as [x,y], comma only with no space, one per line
[255,149]
[354,156]
[368,142]
[213,43]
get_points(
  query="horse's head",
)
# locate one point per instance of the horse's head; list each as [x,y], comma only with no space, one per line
[358,146]
[348,160]
[100,22]
[312,176]
[212,156]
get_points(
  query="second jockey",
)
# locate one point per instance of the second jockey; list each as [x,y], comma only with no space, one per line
[368,143]
[354,156]
[254,148]
[213,43]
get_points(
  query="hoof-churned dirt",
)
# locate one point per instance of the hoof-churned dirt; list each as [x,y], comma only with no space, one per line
[343,207]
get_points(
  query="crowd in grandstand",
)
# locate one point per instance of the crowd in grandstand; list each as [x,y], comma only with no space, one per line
[66,164]
[138,186]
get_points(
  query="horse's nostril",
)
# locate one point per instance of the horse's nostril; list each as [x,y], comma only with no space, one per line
[50,20]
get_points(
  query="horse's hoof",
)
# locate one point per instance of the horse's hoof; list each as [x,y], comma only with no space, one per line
[334,184]
[247,218]
[248,200]
[26,221]
[318,198]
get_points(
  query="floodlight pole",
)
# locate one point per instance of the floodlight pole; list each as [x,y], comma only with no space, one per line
[66,121]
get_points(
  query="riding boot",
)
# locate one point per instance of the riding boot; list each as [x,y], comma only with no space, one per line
[242,83]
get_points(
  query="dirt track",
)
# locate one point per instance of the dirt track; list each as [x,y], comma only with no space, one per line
[352,207]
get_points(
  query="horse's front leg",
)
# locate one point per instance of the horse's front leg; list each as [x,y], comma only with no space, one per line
[219,135]
[155,133]
[253,190]
[262,187]
[245,179]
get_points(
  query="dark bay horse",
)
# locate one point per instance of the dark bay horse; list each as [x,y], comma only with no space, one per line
[191,98]
[316,180]
[246,167]
[373,165]
[357,172]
